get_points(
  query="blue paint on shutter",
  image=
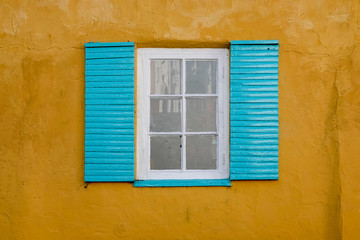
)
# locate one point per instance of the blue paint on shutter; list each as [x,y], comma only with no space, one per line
[254,125]
[109,112]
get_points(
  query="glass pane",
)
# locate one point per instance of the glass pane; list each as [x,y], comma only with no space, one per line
[201,114]
[165,115]
[165,152]
[165,76]
[201,152]
[201,76]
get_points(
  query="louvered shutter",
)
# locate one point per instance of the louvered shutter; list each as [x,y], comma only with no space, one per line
[109,112]
[254,126]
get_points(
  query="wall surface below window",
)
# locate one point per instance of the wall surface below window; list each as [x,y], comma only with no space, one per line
[42,192]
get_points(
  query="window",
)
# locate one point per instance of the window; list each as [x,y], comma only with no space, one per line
[182,114]
[177,90]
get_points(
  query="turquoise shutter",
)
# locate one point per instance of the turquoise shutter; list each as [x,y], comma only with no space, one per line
[254,126]
[109,112]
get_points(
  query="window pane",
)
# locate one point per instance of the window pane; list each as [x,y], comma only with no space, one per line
[201,76]
[201,152]
[165,152]
[165,76]
[165,115]
[201,114]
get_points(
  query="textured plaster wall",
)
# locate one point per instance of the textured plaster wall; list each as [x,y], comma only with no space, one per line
[42,193]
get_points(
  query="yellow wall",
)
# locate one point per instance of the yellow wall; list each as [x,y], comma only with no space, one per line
[42,193]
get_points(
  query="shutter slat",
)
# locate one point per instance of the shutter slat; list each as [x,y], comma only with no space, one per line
[249,129]
[126,93]
[91,67]
[109,49]
[248,141]
[106,142]
[244,88]
[254,47]
[110,131]
[96,81]
[251,159]
[256,135]
[257,153]
[117,119]
[110,108]
[126,157]
[111,166]
[255,65]
[105,148]
[105,160]
[257,82]
[105,55]
[117,178]
[247,99]
[253,147]
[247,70]
[255,169]
[254,76]
[254,123]
[254,59]
[115,61]
[250,111]
[258,117]
[254,110]
[123,125]
[254,106]
[117,90]
[101,85]
[109,112]
[245,94]
[253,165]
[105,172]
[108,137]
[109,72]
[109,44]
[254,42]
[255,176]
[126,100]
[266,53]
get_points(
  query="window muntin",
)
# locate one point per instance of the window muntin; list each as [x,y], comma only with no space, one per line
[182,114]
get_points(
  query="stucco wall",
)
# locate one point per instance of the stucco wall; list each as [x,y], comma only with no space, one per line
[42,193]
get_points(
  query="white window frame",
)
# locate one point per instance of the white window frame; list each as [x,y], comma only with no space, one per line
[144,55]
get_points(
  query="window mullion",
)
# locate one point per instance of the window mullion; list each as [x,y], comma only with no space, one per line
[183,120]
[166,96]
[220,78]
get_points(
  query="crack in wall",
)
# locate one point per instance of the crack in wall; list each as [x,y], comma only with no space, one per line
[337,151]
[332,143]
